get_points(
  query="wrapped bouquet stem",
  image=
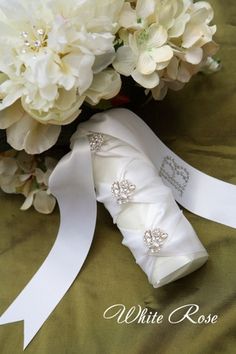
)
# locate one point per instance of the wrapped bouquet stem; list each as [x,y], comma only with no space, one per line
[155,230]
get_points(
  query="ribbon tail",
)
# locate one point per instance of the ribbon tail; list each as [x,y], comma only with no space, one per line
[31,325]
[72,184]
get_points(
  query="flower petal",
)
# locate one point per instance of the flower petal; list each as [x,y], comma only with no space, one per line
[39,175]
[43,202]
[28,201]
[66,109]
[157,36]
[103,61]
[11,93]
[146,64]
[125,61]
[106,85]
[162,54]
[8,166]
[179,26]
[31,136]
[205,5]
[145,8]
[10,115]
[85,73]
[183,74]
[147,81]
[159,92]
[194,55]
[128,18]
[172,69]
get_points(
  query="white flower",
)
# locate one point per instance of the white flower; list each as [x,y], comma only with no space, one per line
[105,85]
[145,51]
[50,51]
[24,174]
[164,43]
[137,17]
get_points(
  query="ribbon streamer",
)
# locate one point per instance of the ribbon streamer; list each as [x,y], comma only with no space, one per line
[72,184]
[73,188]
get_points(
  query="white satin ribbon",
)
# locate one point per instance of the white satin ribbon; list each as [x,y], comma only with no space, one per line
[203,195]
[72,184]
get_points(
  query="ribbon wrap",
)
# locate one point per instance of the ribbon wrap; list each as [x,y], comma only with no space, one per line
[72,184]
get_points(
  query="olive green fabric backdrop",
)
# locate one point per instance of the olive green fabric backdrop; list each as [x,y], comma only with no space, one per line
[199,124]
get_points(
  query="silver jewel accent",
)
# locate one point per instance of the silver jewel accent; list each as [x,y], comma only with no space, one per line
[26,43]
[122,191]
[37,43]
[40,32]
[154,240]
[95,141]
[24,34]
[177,175]
[33,40]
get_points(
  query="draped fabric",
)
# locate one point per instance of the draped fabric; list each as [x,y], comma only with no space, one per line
[199,124]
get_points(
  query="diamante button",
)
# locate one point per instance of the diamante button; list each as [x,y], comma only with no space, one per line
[122,191]
[95,141]
[154,240]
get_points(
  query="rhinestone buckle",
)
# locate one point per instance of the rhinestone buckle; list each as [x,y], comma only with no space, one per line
[154,240]
[95,141]
[122,191]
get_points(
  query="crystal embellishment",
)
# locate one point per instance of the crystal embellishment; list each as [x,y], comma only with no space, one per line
[122,191]
[175,174]
[33,40]
[95,141]
[154,240]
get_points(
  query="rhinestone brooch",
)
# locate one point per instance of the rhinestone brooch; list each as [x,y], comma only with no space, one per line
[95,141]
[122,191]
[154,240]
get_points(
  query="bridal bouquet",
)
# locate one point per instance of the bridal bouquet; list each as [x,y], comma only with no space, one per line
[57,56]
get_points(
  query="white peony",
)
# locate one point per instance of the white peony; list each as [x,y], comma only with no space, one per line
[50,51]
